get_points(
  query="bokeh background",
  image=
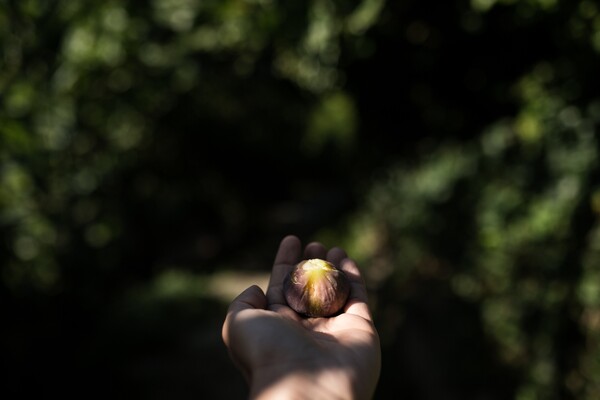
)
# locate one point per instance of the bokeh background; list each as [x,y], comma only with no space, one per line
[154,153]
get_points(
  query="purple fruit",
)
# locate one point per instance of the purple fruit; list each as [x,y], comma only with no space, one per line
[316,288]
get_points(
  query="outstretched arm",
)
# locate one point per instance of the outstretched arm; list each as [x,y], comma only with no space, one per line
[284,355]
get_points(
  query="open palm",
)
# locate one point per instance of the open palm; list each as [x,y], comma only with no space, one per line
[272,344]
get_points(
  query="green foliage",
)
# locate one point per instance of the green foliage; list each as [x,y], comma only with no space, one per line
[506,221]
[451,147]
[88,88]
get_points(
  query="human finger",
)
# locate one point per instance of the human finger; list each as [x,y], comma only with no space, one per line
[287,255]
[314,250]
[251,298]
[335,256]
[357,303]
[289,250]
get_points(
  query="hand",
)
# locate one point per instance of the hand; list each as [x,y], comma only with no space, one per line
[285,355]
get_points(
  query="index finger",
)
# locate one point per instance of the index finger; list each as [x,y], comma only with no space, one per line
[288,254]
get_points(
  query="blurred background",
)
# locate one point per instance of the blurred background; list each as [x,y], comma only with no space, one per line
[153,154]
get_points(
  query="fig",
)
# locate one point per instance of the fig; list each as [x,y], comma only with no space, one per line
[316,288]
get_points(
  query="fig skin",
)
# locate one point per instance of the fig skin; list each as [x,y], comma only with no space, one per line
[316,288]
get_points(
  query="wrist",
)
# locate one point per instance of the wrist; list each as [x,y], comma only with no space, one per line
[308,383]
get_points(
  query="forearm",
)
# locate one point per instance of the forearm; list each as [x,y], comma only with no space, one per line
[326,384]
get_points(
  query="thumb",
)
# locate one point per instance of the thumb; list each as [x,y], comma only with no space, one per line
[253,298]
[250,299]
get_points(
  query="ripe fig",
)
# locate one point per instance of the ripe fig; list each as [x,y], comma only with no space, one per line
[316,288]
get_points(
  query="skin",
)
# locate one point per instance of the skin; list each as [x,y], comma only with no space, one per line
[285,356]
